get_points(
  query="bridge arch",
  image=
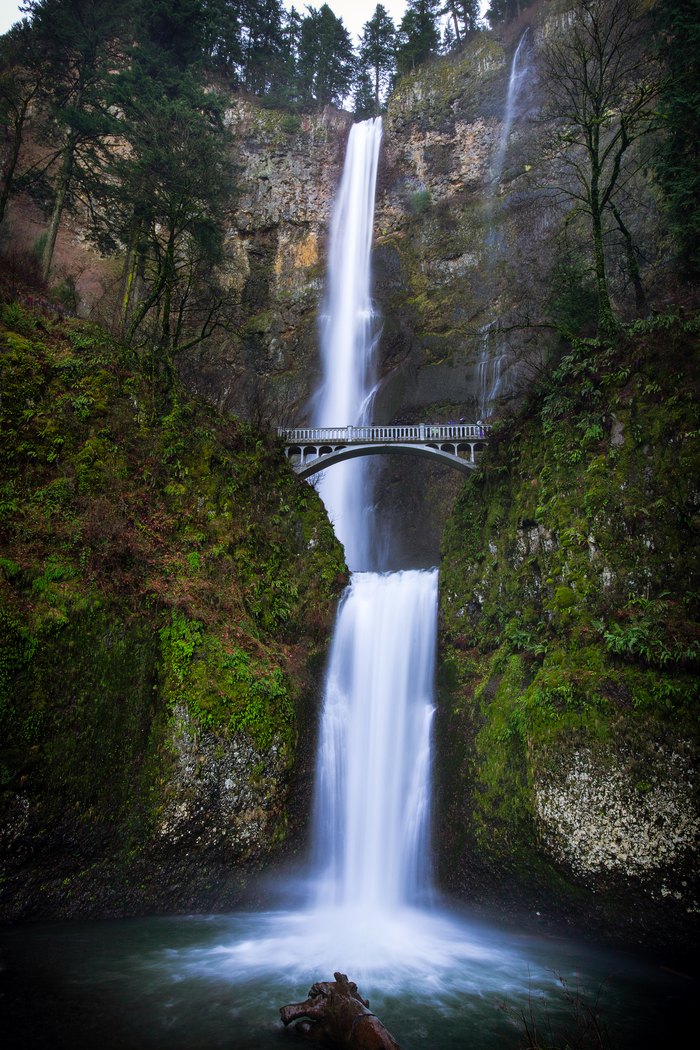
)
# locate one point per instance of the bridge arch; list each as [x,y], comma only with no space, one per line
[340,455]
[312,449]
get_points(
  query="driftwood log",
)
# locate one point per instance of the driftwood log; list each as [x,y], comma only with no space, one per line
[336,1015]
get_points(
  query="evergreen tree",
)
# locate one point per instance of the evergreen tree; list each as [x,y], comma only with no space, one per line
[80,46]
[222,38]
[286,89]
[326,58]
[364,102]
[162,203]
[177,32]
[418,37]
[678,163]
[261,44]
[21,84]
[449,40]
[505,10]
[377,57]
[464,15]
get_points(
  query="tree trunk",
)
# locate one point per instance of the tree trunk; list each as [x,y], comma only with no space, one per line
[455,23]
[606,318]
[64,180]
[13,158]
[165,348]
[640,297]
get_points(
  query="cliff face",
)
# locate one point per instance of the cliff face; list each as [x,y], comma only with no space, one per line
[472,256]
[433,264]
[570,646]
[476,254]
[167,587]
[287,170]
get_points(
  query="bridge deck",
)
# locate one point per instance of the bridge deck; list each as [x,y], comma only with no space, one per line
[414,433]
[311,449]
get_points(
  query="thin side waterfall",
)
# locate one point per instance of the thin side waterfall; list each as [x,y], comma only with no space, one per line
[519,69]
[489,371]
[492,361]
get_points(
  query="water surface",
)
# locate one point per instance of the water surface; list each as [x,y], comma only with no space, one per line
[438,980]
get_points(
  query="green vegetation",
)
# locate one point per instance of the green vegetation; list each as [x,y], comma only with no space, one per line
[569,582]
[678,162]
[152,569]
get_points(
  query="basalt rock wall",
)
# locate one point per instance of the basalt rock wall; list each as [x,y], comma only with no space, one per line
[167,591]
[570,643]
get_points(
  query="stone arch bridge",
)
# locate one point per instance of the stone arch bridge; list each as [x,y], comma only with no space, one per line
[311,449]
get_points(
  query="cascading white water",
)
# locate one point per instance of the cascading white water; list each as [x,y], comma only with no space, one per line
[518,75]
[374,754]
[373,769]
[493,359]
[348,338]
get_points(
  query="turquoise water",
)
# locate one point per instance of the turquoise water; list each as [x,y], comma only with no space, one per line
[437,980]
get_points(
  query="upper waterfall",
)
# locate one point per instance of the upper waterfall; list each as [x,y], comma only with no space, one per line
[348,337]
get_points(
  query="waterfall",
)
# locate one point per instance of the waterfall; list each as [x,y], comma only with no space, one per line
[493,360]
[373,767]
[489,371]
[349,333]
[374,754]
[519,69]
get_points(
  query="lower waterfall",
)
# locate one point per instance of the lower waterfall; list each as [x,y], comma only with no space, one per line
[373,769]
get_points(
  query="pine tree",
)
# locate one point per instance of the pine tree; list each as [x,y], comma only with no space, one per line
[377,55]
[163,201]
[222,38]
[449,40]
[464,15]
[79,43]
[287,90]
[21,84]
[261,24]
[326,58]
[505,10]
[364,102]
[418,37]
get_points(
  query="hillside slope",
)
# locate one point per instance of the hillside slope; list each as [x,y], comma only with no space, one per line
[568,726]
[167,586]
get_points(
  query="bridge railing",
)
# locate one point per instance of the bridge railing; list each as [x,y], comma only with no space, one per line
[412,433]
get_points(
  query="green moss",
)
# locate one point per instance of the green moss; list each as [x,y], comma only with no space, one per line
[224,687]
[569,580]
[147,563]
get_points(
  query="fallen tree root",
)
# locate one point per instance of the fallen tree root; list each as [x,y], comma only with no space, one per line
[336,1015]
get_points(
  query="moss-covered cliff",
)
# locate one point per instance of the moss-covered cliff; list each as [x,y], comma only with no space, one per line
[570,603]
[166,591]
